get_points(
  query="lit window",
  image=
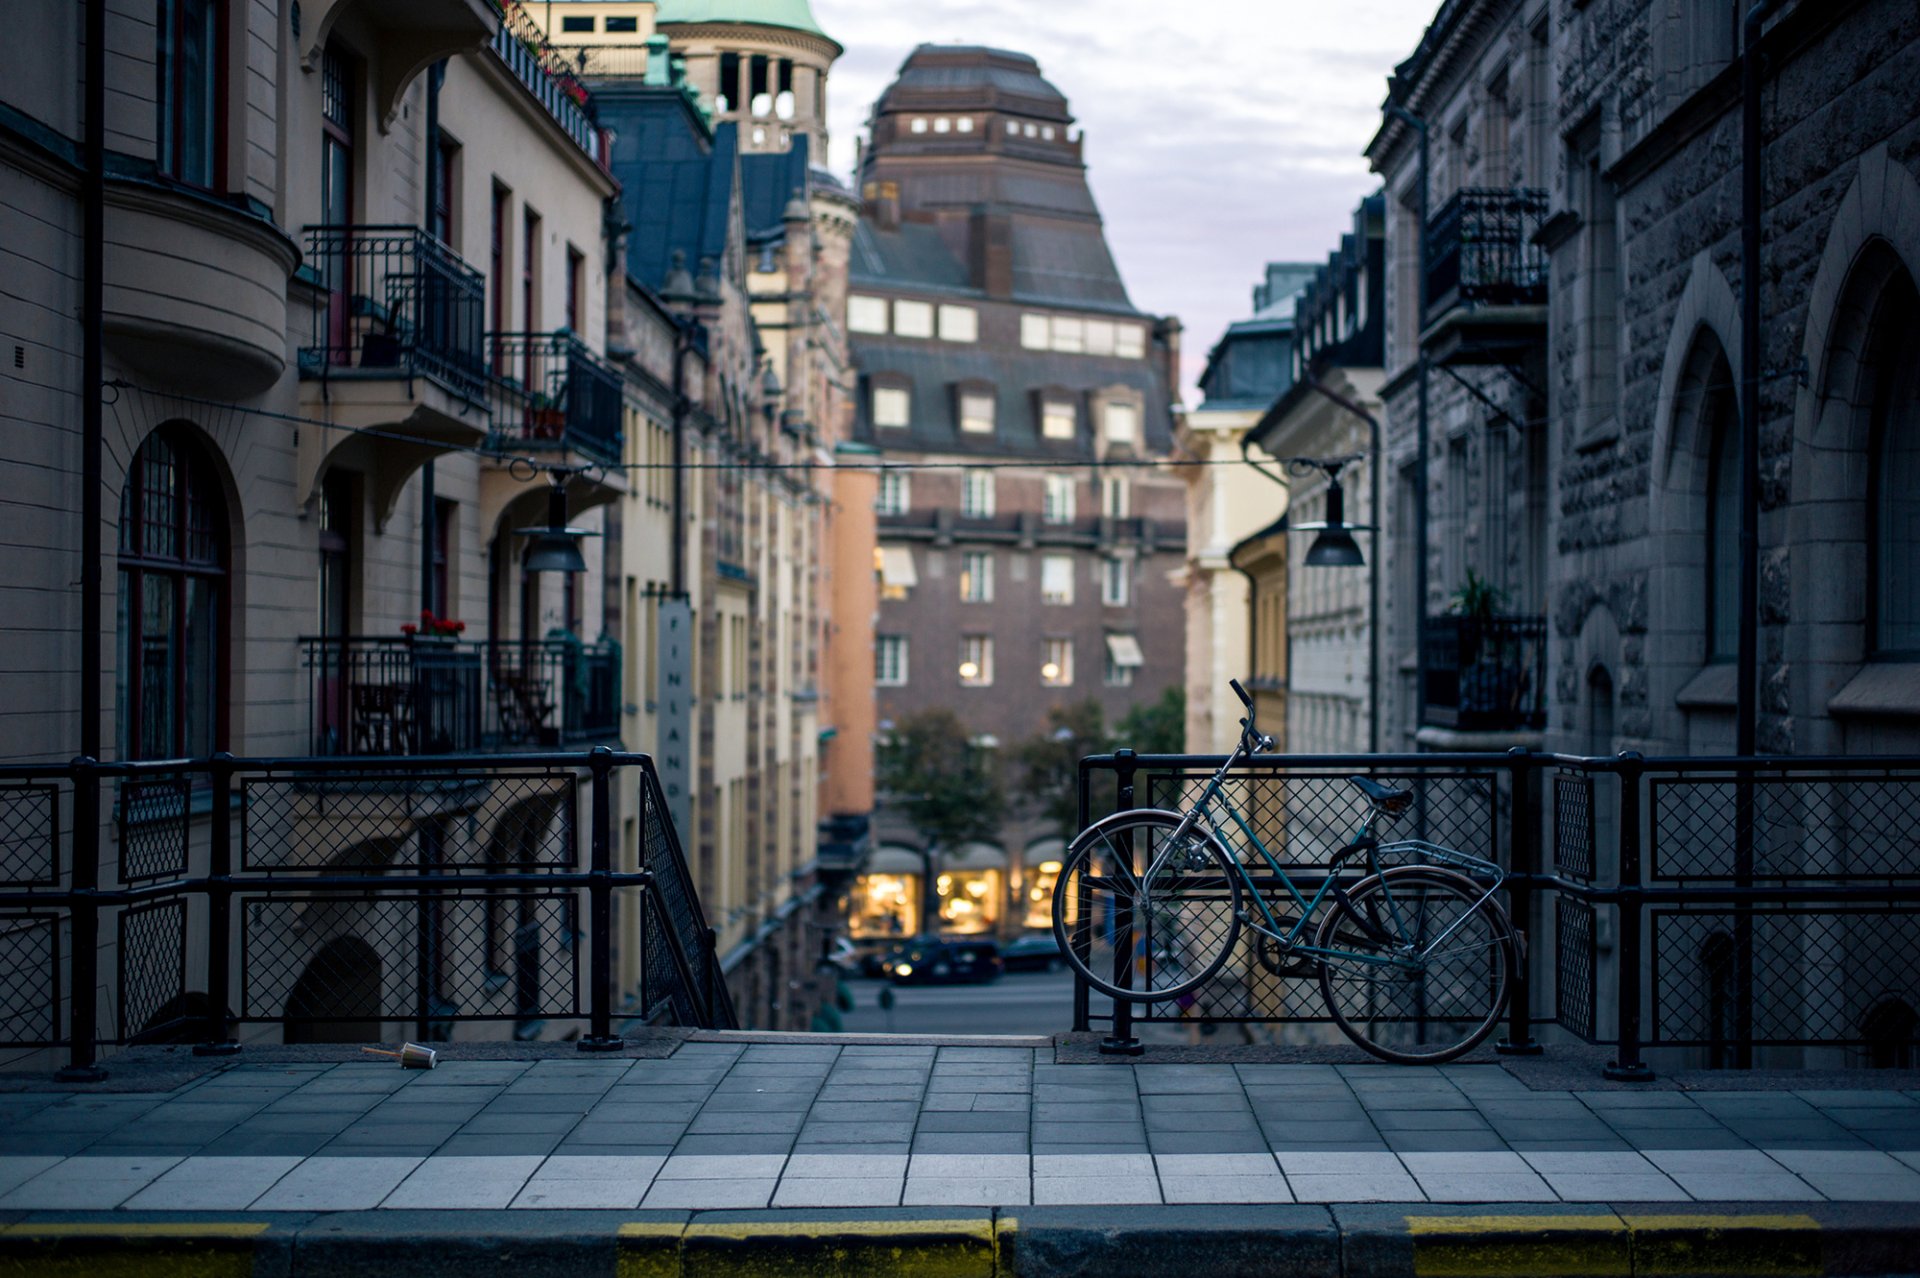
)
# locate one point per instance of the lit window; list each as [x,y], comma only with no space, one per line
[1056,663]
[942,124]
[1123,423]
[1113,496]
[892,406]
[1116,583]
[1057,419]
[976,494]
[897,577]
[912,319]
[976,577]
[896,494]
[1056,502]
[890,660]
[1069,335]
[976,412]
[919,125]
[1046,132]
[1130,341]
[867,314]
[1030,130]
[1100,337]
[1123,658]
[976,660]
[964,124]
[1036,332]
[1056,579]
[959,324]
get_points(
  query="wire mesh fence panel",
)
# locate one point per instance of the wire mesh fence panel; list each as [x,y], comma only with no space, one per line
[436,957]
[674,930]
[29,980]
[1573,827]
[152,969]
[29,834]
[447,821]
[1817,975]
[1576,968]
[1819,826]
[153,821]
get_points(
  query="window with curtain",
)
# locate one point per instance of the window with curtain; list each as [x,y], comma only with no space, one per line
[976,577]
[171,680]
[1056,579]
[976,494]
[1056,503]
[188,89]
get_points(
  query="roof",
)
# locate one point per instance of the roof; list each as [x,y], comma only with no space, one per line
[910,255]
[960,73]
[676,179]
[796,15]
[767,182]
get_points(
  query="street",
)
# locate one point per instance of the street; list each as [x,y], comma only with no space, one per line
[1018,1003]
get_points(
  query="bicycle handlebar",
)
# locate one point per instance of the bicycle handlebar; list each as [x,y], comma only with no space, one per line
[1241,693]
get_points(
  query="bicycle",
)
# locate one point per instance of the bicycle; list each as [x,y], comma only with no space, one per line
[1415,959]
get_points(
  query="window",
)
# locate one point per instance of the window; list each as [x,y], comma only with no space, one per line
[1130,341]
[976,577]
[896,493]
[622,26]
[1056,579]
[919,124]
[976,661]
[1046,133]
[1056,501]
[890,660]
[891,406]
[1069,335]
[1123,658]
[1100,337]
[912,319]
[1113,496]
[976,494]
[897,577]
[497,273]
[1598,340]
[443,186]
[530,281]
[576,290]
[1116,582]
[572,23]
[964,124]
[941,124]
[1723,525]
[336,152]
[867,314]
[337,505]
[1036,332]
[1056,663]
[1894,452]
[959,324]
[187,65]
[976,412]
[1057,419]
[171,675]
[1122,422]
[444,515]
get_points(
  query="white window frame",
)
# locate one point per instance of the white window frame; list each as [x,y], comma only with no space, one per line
[976,494]
[1130,341]
[912,318]
[1116,582]
[976,576]
[885,399]
[895,494]
[959,323]
[1056,499]
[977,650]
[1059,418]
[1100,337]
[866,314]
[1056,580]
[1036,332]
[1115,496]
[1120,422]
[976,412]
[890,661]
[1069,334]
[1057,653]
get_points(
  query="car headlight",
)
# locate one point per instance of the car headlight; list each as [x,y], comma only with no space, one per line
[904,969]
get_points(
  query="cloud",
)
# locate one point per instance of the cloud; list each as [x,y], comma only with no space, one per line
[1214,145]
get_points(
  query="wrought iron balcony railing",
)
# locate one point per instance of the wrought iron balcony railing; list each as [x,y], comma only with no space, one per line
[377,696]
[398,303]
[1486,674]
[548,387]
[1480,251]
[548,88]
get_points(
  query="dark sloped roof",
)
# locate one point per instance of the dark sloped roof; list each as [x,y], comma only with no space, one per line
[1065,264]
[910,255]
[972,73]
[676,180]
[767,182]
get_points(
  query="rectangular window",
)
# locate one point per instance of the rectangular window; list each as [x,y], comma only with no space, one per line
[976,661]
[576,290]
[1057,419]
[1123,658]
[444,185]
[976,412]
[1069,335]
[1100,337]
[867,314]
[959,324]
[891,406]
[896,493]
[912,319]
[530,281]
[890,661]
[1036,332]
[187,64]
[1130,341]
[1122,423]
[897,577]
[571,23]
[976,577]
[497,273]
[1113,496]
[1056,663]
[1056,502]
[1116,582]
[1056,579]
[976,494]
[621,26]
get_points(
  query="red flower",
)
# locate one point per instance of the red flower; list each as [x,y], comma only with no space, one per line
[409,630]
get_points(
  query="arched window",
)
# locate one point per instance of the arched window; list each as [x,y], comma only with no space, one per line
[171,687]
[1894,473]
[1722,593]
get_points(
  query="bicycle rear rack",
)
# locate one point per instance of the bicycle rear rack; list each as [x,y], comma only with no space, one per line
[1419,851]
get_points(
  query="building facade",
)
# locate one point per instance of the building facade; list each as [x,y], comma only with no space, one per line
[1017,399]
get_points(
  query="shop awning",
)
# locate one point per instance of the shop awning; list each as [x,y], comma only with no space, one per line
[896,567]
[895,860]
[1125,650]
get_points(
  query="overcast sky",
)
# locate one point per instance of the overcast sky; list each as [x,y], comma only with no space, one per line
[1219,135]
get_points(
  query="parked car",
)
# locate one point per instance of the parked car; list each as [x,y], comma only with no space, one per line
[843,956]
[942,960]
[1034,952]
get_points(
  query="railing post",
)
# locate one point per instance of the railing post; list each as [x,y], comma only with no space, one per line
[1122,1042]
[1524,861]
[1628,1067]
[601,1037]
[84,1001]
[1082,992]
[216,1040]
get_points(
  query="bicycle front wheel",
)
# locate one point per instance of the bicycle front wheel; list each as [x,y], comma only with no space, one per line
[1142,916]
[1421,966]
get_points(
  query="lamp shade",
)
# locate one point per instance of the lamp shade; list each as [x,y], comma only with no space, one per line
[555,547]
[1335,548]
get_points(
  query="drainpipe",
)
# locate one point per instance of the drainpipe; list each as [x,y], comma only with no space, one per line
[429,526]
[93,213]
[1419,126]
[682,347]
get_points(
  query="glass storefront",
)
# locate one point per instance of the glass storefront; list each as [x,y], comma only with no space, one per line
[883,905]
[969,900]
[1041,878]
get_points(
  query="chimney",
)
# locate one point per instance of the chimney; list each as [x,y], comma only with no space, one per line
[1168,331]
[991,251]
[881,204]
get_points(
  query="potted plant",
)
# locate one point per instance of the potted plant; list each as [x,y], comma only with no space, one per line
[1490,673]
[433,629]
[546,418]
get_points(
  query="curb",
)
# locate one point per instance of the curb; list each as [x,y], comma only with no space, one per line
[1402,1240]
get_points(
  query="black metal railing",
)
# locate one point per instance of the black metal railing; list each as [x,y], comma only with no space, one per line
[1480,250]
[1486,673]
[398,303]
[547,87]
[343,900]
[376,696]
[1715,908]
[549,388]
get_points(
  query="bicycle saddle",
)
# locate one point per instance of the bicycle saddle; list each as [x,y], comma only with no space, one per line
[1387,799]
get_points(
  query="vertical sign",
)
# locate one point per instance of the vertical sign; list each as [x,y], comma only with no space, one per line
[672,758]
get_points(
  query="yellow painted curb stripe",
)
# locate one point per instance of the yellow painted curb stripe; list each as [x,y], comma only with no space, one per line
[980,1230]
[1642,1221]
[1594,1245]
[137,1229]
[1421,1225]
[1701,1245]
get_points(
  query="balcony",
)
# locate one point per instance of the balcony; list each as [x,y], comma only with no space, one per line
[1486,674]
[549,389]
[440,696]
[398,304]
[1486,278]
[548,90]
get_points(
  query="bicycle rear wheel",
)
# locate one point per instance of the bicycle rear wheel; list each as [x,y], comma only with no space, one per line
[1425,976]
[1141,917]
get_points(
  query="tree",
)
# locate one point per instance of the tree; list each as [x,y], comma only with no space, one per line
[1050,763]
[930,770]
[1156,728]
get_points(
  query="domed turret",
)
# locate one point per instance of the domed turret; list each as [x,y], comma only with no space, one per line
[760,63]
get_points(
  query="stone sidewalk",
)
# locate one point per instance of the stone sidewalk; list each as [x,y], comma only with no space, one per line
[733,1125]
